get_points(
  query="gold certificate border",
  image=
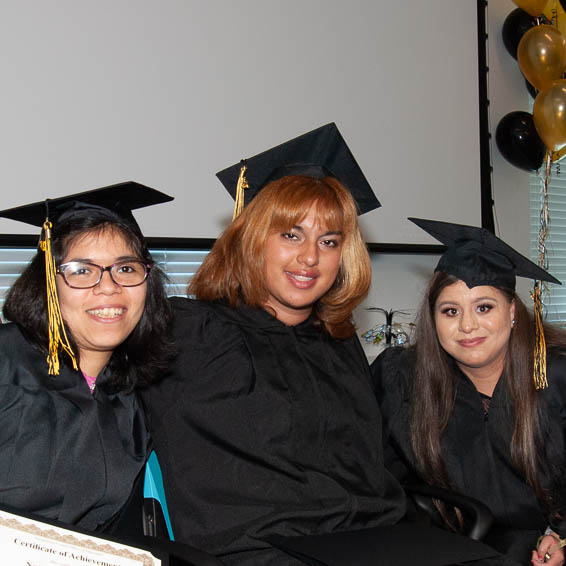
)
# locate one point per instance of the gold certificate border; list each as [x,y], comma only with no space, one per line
[86,543]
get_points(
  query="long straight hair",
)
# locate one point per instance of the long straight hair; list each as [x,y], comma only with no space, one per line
[432,400]
[234,268]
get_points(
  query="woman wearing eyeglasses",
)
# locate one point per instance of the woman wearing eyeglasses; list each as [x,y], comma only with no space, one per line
[72,434]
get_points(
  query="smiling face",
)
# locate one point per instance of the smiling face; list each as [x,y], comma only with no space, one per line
[102,317]
[474,326]
[301,264]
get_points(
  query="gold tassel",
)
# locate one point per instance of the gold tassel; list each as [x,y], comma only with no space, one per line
[540,341]
[539,369]
[57,334]
[240,187]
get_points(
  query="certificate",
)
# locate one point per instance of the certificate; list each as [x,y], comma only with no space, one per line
[25,542]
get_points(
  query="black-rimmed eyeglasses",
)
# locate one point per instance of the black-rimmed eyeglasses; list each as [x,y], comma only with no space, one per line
[84,275]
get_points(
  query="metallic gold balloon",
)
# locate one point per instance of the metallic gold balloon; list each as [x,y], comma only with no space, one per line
[542,56]
[555,14]
[532,7]
[549,115]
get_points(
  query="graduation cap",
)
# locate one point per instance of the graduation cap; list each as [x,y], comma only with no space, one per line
[121,198]
[478,257]
[319,153]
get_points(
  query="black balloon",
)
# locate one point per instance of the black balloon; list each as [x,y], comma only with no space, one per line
[518,141]
[515,26]
[532,90]
[563,4]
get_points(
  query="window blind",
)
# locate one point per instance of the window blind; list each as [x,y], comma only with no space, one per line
[555,302]
[179,265]
[12,263]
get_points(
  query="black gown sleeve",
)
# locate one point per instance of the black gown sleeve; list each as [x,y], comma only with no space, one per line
[391,372]
[555,401]
[65,454]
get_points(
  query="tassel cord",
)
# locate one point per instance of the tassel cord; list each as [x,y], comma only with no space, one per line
[57,333]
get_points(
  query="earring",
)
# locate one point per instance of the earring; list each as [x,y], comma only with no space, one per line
[512,323]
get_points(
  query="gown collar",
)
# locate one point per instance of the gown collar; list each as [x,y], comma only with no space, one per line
[260,318]
[499,394]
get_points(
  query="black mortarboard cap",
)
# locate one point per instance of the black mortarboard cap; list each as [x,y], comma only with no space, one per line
[121,198]
[319,153]
[478,257]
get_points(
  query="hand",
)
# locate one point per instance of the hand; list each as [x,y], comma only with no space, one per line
[548,552]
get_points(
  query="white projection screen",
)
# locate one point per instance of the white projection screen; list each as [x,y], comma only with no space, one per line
[167,92]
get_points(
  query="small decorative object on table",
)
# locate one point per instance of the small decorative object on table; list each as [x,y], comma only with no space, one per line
[394,333]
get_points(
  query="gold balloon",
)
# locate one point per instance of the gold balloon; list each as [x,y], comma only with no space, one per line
[555,13]
[542,56]
[550,9]
[532,7]
[549,115]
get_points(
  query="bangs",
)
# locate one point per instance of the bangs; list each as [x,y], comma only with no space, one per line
[234,270]
[80,228]
[292,200]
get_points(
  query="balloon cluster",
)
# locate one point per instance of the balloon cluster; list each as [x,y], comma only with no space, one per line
[540,49]
[528,141]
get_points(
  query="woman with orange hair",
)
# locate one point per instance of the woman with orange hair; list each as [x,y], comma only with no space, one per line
[267,425]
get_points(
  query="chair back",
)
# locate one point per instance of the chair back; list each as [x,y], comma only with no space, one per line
[156,514]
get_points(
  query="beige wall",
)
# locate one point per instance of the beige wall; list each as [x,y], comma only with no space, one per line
[399,280]
[507,93]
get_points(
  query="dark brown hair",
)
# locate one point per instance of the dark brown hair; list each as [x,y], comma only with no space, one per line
[234,268]
[432,399]
[145,354]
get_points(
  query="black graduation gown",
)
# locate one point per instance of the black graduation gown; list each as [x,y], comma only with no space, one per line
[266,429]
[64,454]
[476,446]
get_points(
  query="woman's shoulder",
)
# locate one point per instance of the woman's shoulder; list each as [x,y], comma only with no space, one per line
[556,368]
[189,307]
[18,357]
[198,319]
[211,355]
[207,315]
[393,369]
[393,360]
[181,305]
[556,356]
[554,395]
[11,339]
[203,331]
